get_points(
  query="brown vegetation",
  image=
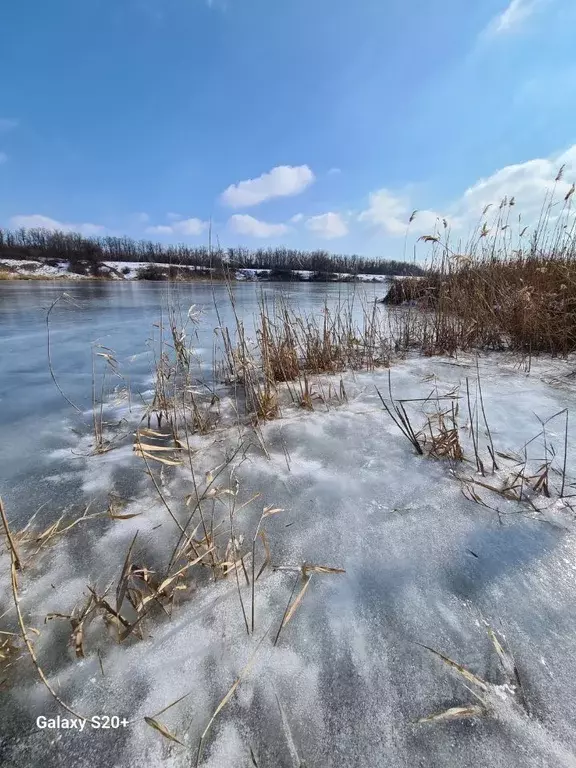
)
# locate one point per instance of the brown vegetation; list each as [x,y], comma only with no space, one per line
[507,291]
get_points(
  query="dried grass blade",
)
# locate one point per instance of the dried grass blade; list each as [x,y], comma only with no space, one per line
[128,516]
[321,569]
[162,460]
[269,511]
[509,666]
[162,729]
[151,433]
[245,670]
[470,676]
[291,609]
[267,558]
[8,532]
[455,713]
[173,704]
[289,737]
[123,581]
[148,447]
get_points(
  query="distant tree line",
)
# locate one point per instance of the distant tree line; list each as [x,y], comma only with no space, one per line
[45,245]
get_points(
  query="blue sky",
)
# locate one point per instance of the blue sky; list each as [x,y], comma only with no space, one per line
[312,123]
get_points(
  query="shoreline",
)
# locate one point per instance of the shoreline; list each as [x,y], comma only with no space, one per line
[20,269]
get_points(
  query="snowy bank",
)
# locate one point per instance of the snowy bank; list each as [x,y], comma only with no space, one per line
[130,270]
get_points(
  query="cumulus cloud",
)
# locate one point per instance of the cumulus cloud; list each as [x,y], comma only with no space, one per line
[514,15]
[243,224]
[159,229]
[185,227]
[38,221]
[392,212]
[528,183]
[190,226]
[328,225]
[282,181]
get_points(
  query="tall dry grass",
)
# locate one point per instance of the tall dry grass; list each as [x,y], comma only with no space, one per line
[509,286]
[290,348]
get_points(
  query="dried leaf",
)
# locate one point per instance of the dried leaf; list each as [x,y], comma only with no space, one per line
[269,511]
[123,581]
[214,493]
[145,446]
[455,713]
[297,601]
[509,666]
[169,462]
[170,579]
[50,616]
[116,516]
[151,432]
[505,658]
[321,569]
[183,446]
[78,636]
[466,674]
[267,559]
[162,729]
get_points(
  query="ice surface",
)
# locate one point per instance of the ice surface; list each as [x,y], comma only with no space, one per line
[423,565]
[349,677]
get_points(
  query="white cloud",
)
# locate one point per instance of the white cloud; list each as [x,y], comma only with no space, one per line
[185,227]
[391,213]
[514,16]
[297,218]
[7,124]
[190,226]
[243,224]
[282,181]
[37,221]
[159,229]
[328,225]
[334,171]
[3,157]
[528,183]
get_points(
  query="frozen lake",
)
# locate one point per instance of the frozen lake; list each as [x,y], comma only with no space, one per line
[425,564]
[123,316]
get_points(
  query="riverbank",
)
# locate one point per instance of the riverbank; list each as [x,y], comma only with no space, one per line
[28,269]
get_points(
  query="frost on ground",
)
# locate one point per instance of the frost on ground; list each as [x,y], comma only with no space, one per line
[349,677]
